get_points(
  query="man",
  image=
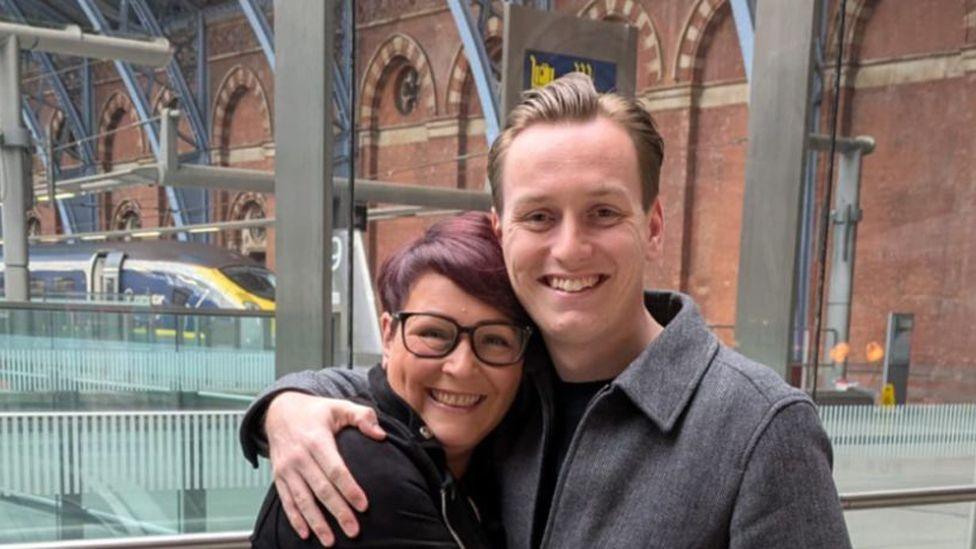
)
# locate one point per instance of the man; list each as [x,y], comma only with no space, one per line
[644,430]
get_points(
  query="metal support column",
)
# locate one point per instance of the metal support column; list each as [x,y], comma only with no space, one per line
[14,141]
[844,217]
[303,188]
[778,135]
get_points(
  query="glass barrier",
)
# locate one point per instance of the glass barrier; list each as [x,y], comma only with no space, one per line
[78,358]
[78,475]
[122,421]
[900,447]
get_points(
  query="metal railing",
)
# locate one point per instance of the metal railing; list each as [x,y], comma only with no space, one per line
[850,502]
[882,499]
[222,540]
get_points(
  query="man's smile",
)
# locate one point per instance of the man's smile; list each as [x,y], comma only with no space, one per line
[573,284]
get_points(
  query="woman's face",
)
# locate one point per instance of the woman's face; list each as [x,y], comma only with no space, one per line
[459,397]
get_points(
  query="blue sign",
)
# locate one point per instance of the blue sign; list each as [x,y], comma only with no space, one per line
[540,68]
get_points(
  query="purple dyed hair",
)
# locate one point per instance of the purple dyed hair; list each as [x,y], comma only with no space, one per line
[462,248]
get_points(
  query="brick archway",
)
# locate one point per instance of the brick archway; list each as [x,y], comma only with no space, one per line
[406,48]
[238,82]
[461,69]
[970,23]
[123,210]
[858,13]
[113,111]
[648,40]
[248,241]
[687,60]
[163,97]
[56,124]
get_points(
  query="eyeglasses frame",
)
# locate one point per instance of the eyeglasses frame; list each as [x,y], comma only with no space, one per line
[402,317]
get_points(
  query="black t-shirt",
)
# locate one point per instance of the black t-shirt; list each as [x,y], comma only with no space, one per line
[571,400]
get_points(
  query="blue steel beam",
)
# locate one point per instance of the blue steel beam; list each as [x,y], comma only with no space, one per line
[265,35]
[60,90]
[744,13]
[187,104]
[203,103]
[124,69]
[37,134]
[342,93]
[474,49]
[262,30]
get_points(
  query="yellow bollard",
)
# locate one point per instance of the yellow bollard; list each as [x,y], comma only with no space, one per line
[888,395]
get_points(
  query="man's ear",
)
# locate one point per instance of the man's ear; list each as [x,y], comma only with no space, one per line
[655,231]
[496,223]
[388,329]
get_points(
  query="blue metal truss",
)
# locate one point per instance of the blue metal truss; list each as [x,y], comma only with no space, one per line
[342,93]
[65,212]
[744,13]
[474,49]
[175,198]
[341,79]
[187,104]
[262,30]
[38,135]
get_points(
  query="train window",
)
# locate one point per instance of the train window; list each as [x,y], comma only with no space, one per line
[64,284]
[180,297]
[36,285]
[256,280]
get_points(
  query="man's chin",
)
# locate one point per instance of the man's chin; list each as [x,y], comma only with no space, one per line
[570,328]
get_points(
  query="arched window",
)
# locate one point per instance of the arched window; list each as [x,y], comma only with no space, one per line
[33,225]
[406,89]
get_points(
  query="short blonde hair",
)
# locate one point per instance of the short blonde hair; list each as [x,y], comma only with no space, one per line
[572,97]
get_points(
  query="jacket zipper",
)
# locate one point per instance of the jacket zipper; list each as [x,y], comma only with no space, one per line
[447,521]
[567,462]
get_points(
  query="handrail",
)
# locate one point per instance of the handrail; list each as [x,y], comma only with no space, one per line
[130,309]
[849,502]
[908,497]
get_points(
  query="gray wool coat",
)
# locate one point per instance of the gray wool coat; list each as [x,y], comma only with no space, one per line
[692,445]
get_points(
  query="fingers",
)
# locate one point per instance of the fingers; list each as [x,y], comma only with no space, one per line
[364,418]
[307,465]
[337,489]
[294,515]
[304,506]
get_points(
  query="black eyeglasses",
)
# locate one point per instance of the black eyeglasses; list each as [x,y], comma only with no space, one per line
[430,335]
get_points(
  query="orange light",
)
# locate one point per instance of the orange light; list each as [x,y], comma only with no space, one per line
[840,352]
[874,352]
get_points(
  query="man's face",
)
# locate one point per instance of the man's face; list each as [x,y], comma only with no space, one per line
[573,230]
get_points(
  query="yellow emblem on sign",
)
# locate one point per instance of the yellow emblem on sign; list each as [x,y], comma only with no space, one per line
[542,73]
[584,68]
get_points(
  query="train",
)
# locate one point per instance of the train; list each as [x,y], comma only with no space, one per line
[159,273]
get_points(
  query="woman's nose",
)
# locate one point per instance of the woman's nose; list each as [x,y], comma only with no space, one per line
[462,359]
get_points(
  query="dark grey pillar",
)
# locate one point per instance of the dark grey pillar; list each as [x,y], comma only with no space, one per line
[303,183]
[778,127]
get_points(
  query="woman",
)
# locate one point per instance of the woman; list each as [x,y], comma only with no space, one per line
[454,338]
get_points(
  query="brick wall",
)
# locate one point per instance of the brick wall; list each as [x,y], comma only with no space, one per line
[910,74]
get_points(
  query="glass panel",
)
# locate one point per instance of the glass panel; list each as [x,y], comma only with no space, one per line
[913,446]
[117,423]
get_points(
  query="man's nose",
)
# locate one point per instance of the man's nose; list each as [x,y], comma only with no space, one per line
[572,243]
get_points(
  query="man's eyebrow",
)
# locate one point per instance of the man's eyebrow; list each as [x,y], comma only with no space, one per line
[599,191]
